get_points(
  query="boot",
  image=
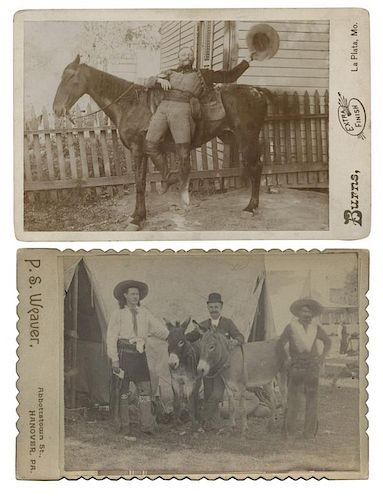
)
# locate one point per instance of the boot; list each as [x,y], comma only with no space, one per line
[147,420]
[183,153]
[124,414]
[152,149]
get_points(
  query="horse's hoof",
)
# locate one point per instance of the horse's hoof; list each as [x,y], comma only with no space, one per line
[249,211]
[133,227]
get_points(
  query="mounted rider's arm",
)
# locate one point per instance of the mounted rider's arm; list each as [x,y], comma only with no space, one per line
[230,76]
[162,78]
[235,333]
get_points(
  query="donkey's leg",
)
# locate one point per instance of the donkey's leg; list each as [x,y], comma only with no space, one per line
[183,152]
[191,396]
[176,401]
[140,165]
[269,389]
[282,384]
[253,168]
[239,396]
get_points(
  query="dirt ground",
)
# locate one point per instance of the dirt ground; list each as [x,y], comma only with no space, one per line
[287,210]
[94,446]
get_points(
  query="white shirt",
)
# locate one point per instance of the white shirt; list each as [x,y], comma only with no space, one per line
[304,336]
[121,326]
[215,322]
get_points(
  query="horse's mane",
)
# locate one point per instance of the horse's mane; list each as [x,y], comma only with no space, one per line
[113,84]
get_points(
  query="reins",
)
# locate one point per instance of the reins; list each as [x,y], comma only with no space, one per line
[72,118]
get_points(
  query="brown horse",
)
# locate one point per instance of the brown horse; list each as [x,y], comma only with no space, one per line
[129,106]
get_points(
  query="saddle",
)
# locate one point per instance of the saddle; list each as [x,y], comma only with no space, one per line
[210,103]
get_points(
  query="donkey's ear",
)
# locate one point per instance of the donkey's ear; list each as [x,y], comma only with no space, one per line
[185,324]
[76,60]
[199,327]
[168,323]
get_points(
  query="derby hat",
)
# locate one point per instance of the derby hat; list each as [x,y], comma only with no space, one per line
[263,41]
[312,304]
[123,286]
[214,297]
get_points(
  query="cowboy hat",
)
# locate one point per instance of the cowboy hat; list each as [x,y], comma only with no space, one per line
[214,297]
[123,286]
[312,304]
[262,41]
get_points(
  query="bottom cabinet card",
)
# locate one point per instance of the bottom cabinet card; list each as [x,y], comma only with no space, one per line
[192,364]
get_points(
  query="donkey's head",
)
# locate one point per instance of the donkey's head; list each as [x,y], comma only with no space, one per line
[71,88]
[213,352]
[176,342]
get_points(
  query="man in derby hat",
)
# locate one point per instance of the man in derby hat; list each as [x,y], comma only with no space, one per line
[214,387]
[179,109]
[303,359]
[129,327]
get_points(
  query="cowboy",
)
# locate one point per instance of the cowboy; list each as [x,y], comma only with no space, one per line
[303,361]
[179,109]
[214,386]
[128,329]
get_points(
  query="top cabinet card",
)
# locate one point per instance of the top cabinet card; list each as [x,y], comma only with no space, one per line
[192,124]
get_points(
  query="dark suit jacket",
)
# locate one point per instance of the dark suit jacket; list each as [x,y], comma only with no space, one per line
[225,326]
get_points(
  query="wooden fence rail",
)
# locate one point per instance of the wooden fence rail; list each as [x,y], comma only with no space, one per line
[89,157]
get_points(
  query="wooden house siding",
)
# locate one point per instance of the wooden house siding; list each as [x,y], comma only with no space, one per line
[297,149]
[174,35]
[301,63]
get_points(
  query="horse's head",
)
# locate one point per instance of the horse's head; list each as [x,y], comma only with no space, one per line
[176,342]
[213,353]
[71,88]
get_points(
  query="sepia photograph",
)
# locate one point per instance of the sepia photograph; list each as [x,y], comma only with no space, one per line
[191,128]
[198,364]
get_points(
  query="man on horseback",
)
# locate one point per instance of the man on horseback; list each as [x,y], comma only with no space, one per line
[214,386]
[180,108]
[128,329]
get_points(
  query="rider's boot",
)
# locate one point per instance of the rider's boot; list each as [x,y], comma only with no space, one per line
[152,149]
[183,153]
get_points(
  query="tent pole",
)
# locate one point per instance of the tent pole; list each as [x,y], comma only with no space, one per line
[74,336]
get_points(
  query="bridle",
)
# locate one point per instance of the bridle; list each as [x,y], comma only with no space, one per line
[72,118]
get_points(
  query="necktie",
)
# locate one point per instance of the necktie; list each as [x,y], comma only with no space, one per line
[134,316]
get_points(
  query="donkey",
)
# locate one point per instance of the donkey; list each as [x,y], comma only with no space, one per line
[251,365]
[130,107]
[183,361]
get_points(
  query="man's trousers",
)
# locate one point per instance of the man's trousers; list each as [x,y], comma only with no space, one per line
[303,379]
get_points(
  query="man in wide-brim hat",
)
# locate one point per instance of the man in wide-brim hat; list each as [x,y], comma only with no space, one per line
[303,359]
[214,387]
[129,327]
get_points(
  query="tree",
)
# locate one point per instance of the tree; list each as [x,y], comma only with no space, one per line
[351,287]
[102,40]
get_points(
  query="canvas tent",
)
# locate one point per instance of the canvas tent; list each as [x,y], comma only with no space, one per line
[177,289]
